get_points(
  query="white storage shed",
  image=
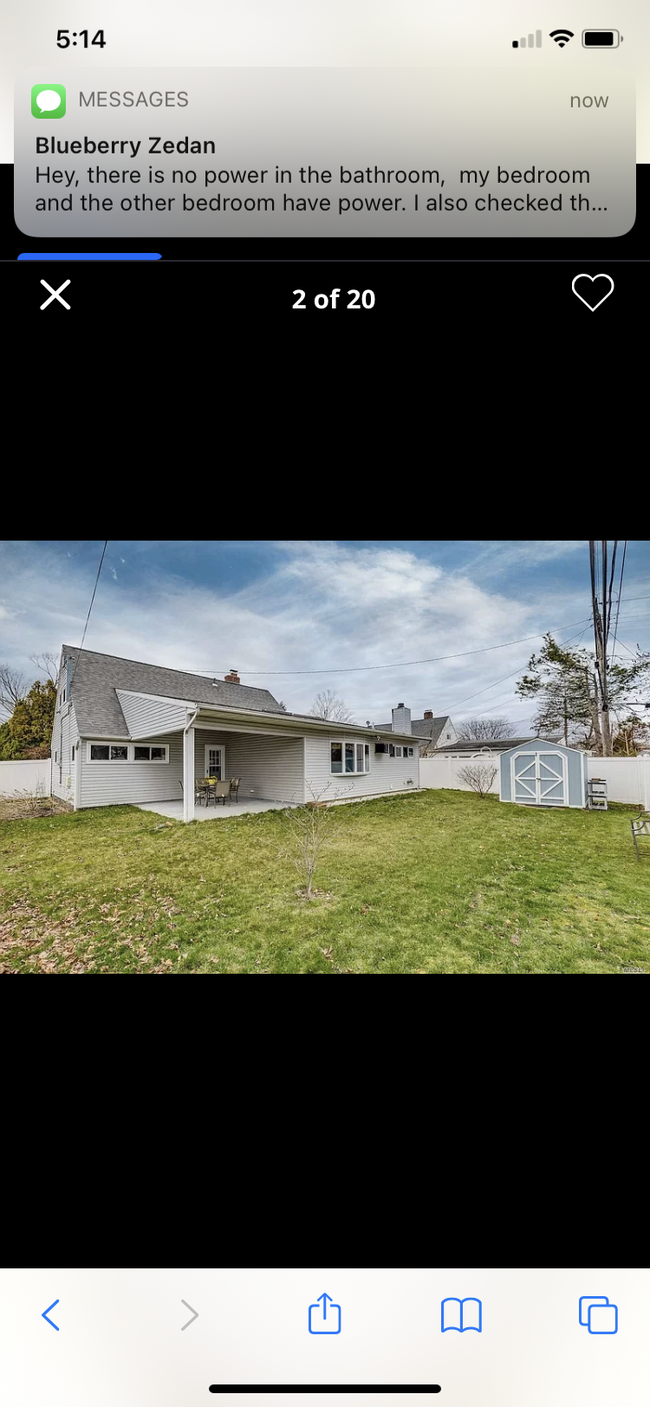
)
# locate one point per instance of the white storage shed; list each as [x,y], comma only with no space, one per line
[539,773]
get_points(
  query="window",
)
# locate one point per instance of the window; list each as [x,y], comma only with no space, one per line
[142,753]
[352,758]
[63,696]
[128,752]
[73,752]
[391,749]
[398,751]
[56,756]
[408,751]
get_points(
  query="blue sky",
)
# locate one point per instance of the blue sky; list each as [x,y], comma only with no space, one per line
[321,606]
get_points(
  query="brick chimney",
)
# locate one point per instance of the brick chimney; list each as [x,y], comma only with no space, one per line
[232,678]
[428,713]
[401,719]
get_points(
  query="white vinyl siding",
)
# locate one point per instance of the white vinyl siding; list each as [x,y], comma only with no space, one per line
[387,773]
[270,768]
[148,717]
[63,736]
[117,783]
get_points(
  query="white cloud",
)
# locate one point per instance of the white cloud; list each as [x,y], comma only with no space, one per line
[323,606]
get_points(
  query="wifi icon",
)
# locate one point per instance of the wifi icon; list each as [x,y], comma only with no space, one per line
[561,36]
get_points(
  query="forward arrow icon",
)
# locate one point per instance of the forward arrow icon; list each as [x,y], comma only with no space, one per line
[195,1315]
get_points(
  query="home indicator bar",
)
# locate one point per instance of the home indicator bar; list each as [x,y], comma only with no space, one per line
[325,1387]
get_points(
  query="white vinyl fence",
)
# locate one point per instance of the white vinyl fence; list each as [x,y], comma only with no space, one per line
[443,771]
[628,778]
[30,776]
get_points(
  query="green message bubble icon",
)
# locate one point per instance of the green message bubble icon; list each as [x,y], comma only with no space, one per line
[48,100]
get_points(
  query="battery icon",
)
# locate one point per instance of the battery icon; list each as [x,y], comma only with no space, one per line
[601,38]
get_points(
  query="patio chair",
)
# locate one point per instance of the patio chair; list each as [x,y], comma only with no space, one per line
[221,791]
[640,827]
[234,788]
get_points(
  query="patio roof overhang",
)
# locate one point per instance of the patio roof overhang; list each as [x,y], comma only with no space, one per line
[255,721]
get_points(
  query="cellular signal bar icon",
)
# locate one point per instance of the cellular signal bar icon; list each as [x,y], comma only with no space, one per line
[534,41]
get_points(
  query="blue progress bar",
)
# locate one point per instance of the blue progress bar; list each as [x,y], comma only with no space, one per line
[68,257]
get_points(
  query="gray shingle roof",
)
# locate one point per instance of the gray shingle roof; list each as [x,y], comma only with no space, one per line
[494,744]
[96,677]
[423,727]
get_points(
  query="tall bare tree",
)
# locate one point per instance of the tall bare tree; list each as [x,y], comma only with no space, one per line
[327,705]
[47,663]
[13,687]
[484,729]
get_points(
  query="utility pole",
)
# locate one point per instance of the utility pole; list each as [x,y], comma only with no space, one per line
[601,631]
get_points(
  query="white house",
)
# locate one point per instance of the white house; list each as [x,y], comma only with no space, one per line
[131,732]
[433,733]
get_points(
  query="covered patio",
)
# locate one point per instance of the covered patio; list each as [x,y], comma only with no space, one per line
[173,810]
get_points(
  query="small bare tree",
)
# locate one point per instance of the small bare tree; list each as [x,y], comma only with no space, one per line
[479,776]
[310,828]
[13,686]
[484,728]
[326,705]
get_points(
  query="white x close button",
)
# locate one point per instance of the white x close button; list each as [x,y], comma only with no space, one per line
[55,294]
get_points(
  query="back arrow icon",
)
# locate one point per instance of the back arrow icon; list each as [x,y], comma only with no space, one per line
[195,1315]
[45,1314]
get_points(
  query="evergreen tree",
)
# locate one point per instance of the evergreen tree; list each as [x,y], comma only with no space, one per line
[30,725]
[566,686]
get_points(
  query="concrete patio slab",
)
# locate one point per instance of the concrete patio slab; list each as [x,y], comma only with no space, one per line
[173,810]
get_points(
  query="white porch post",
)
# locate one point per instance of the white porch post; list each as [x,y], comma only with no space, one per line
[188,774]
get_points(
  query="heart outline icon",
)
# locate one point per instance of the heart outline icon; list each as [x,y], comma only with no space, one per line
[592,279]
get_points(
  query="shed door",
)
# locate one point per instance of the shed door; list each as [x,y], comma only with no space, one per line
[552,782]
[539,778]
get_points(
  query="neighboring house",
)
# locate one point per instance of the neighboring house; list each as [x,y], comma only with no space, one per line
[130,732]
[433,732]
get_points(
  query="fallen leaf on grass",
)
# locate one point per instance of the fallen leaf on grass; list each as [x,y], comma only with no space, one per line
[365,908]
[214,959]
[327,953]
[516,940]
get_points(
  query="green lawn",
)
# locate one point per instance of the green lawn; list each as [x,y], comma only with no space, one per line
[440,881]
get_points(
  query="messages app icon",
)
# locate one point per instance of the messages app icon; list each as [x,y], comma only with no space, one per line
[48,100]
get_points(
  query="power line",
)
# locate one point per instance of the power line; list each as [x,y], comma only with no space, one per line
[394,664]
[509,676]
[618,604]
[89,610]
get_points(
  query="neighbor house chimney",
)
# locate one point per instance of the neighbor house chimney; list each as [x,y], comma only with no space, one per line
[428,713]
[401,719]
[232,678]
